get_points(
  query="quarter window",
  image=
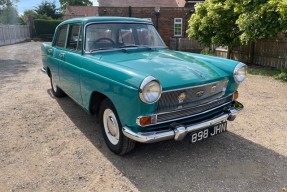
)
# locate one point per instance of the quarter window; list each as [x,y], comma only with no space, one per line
[61,37]
[75,37]
[177,26]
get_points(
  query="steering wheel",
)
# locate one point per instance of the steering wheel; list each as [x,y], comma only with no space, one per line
[105,39]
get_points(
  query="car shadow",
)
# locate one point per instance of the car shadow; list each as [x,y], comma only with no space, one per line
[226,162]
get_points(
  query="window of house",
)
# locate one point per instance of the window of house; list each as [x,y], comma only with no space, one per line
[75,37]
[177,26]
[61,37]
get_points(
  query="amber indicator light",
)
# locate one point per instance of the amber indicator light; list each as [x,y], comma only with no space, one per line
[145,121]
[235,95]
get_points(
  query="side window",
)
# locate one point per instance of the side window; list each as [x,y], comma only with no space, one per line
[177,26]
[75,37]
[61,37]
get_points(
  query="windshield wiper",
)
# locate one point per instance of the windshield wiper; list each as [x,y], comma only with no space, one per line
[137,46]
[127,46]
[146,47]
[100,49]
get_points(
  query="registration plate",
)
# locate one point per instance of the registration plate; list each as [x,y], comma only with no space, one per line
[208,132]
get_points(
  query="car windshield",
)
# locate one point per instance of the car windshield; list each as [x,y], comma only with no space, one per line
[108,36]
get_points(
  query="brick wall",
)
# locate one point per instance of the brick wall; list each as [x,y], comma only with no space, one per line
[165,21]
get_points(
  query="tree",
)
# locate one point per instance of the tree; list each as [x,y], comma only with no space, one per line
[233,22]
[8,13]
[75,2]
[48,9]
[282,7]
[259,20]
[5,3]
[214,22]
[26,14]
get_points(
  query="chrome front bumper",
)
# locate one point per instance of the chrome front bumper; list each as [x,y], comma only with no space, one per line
[179,131]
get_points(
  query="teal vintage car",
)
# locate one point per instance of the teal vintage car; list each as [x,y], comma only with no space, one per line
[120,70]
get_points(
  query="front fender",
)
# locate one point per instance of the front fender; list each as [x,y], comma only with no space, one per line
[118,84]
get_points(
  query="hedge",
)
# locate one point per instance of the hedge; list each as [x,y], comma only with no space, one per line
[43,27]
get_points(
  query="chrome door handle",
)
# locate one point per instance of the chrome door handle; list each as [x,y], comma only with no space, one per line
[50,51]
[61,55]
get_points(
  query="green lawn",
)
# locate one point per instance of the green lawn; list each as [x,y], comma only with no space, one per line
[267,71]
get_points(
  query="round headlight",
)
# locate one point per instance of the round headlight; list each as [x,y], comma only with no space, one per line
[150,90]
[240,72]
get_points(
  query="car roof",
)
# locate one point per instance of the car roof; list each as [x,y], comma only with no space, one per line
[86,20]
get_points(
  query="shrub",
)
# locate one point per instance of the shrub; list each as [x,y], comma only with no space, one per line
[44,27]
[282,76]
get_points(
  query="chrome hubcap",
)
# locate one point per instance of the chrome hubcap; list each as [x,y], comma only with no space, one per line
[111,126]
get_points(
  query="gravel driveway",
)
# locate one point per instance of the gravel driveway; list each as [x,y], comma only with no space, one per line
[50,144]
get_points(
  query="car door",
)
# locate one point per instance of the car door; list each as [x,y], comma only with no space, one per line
[71,65]
[58,50]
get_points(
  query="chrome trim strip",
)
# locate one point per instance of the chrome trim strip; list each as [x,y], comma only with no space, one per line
[150,137]
[158,123]
[162,113]
[180,131]
[192,115]
[237,67]
[196,86]
[153,119]
[146,81]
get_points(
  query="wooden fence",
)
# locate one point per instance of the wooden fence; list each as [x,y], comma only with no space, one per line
[10,34]
[267,52]
[185,44]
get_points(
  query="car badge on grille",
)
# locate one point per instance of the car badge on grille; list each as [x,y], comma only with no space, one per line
[181,97]
[199,93]
[213,88]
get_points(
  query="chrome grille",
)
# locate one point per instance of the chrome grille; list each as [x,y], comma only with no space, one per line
[193,96]
[192,111]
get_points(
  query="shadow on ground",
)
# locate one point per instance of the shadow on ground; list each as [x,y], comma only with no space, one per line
[226,162]
[10,68]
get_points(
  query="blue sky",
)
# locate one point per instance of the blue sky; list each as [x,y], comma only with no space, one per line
[23,5]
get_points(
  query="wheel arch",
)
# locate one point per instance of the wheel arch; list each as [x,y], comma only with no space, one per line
[48,72]
[95,102]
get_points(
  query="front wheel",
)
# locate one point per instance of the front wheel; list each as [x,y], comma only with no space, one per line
[112,130]
[57,92]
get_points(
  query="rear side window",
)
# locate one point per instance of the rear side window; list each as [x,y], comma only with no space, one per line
[61,36]
[75,38]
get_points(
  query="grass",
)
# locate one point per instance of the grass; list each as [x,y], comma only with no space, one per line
[267,71]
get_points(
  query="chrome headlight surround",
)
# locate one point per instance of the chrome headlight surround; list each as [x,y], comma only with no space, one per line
[240,73]
[150,90]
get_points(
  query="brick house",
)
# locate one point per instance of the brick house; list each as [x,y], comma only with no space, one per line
[170,17]
[80,11]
